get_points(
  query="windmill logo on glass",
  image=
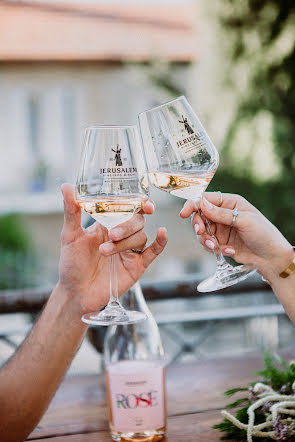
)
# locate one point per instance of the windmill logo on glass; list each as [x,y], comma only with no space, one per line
[186,125]
[118,158]
[119,171]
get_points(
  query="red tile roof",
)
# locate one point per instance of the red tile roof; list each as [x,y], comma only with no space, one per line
[71,31]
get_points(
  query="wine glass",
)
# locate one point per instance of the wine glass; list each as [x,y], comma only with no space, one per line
[182,161]
[112,185]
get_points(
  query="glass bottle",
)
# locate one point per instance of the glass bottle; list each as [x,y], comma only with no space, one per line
[135,376]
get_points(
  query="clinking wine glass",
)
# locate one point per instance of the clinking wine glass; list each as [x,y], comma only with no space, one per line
[182,161]
[111,187]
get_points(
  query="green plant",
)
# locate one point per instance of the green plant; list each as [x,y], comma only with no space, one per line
[17,258]
[260,41]
[261,34]
[277,384]
[12,234]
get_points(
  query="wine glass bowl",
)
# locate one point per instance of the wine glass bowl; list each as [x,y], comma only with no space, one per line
[111,187]
[111,184]
[180,156]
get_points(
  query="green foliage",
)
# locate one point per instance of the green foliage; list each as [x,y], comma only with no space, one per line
[235,390]
[262,37]
[237,403]
[279,376]
[17,258]
[12,235]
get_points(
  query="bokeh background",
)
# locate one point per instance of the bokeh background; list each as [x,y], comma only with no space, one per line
[67,64]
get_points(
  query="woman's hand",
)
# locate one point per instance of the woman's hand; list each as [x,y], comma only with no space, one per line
[251,240]
[84,262]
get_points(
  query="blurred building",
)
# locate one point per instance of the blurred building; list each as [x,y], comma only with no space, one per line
[64,66]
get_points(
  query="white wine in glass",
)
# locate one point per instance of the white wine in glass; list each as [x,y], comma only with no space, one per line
[188,186]
[110,211]
[112,186]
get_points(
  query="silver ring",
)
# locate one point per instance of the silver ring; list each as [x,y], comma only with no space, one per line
[221,198]
[235,215]
[139,252]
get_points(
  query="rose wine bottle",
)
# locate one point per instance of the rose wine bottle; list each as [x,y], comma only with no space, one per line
[135,376]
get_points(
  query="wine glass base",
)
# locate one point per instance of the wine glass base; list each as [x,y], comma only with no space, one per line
[116,317]
[226,277]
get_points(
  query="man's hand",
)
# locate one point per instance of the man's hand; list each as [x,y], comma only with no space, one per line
[84,262]
[29,380]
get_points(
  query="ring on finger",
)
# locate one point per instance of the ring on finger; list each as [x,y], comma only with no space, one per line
[139,252]
[235,215]
[221,198]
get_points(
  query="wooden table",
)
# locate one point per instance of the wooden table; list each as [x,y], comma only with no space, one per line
[78,411]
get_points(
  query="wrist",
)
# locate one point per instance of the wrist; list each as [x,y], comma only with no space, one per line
[69,300]
[271,269]
[77,300]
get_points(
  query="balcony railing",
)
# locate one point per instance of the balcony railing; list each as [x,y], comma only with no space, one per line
[212,310]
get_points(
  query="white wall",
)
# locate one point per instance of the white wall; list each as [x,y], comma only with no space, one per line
[68,99]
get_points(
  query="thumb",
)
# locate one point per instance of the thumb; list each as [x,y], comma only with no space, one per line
[218,214]
[72,211]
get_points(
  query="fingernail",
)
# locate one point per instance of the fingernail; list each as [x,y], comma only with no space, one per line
[210,244]
[207,204]
[229,251]
[165,230]
[117,233]
[107,247]
[197,228]
[149,203]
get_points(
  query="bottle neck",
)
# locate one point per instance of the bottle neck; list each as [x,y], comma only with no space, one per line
[134,300]
[140,341]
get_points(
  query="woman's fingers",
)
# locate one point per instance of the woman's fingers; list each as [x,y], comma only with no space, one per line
[188,208]
[216,198]
[219,214]
[128,228]
[208,242]
[136,241]
[210,245]
[228,250]
[198,224]
[155,248]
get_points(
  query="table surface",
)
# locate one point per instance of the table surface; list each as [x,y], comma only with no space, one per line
[78,412]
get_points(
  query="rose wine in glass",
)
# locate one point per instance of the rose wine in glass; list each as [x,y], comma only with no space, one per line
[182,161]
[112,186]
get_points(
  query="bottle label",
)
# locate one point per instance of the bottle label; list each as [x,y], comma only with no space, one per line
[136,396]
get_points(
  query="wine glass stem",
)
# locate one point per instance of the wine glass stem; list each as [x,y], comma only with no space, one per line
[221,262]
[114,298]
